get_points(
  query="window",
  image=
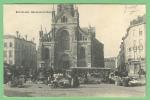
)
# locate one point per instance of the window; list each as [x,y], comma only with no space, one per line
[47,53]
[10,53]
[64,19]
[129,58]
[10,62]
[134,42]
[82,53]
[142,59]
[89,49]
[129,49]
[134,48]
[140,47]
[81,56]
[76,35]
[5,44]
[80,37]
[140,33]
[64,40]
[10,44]
[61,20]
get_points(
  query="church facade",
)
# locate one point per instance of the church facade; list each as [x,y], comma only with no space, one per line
[68,45]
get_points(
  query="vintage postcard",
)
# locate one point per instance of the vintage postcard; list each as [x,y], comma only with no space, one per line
[74,50]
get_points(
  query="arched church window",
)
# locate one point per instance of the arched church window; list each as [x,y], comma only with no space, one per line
[61,20]
[64,19]
[82,53]
[64,40]
[46,53]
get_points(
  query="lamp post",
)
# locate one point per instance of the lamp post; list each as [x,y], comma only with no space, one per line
[140,48]
[134,50]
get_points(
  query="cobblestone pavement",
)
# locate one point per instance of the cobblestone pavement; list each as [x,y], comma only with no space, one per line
[102,90]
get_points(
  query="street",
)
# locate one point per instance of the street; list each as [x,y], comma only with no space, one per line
[102,90]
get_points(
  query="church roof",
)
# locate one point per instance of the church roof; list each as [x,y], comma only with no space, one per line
[84,31]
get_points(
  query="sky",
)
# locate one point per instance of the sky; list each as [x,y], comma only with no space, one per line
[110,21]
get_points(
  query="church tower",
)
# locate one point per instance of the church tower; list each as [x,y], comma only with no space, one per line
[64,25]
[68,45]
[65,8]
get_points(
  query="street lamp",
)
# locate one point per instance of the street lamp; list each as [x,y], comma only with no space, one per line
[140,48]
[134,50]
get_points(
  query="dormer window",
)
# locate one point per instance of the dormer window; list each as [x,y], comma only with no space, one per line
[64,19]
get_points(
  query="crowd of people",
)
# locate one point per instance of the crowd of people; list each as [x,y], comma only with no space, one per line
[17,76]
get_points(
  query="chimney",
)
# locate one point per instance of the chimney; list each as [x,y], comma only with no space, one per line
[26,37]
[17,34]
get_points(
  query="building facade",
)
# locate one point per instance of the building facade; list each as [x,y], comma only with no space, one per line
[67,44]
[19,52]
[134,44]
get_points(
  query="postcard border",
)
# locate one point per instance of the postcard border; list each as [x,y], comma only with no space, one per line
[147,97]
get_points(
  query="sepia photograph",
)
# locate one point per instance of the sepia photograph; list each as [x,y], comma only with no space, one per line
[74,50]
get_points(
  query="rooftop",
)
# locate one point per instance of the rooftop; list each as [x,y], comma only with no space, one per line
[8,36]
